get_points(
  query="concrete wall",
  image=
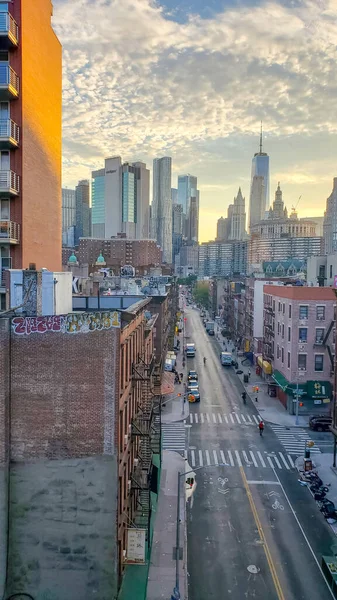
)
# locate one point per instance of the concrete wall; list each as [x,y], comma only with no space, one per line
[63,529]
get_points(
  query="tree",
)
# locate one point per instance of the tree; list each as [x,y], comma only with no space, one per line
[200,293]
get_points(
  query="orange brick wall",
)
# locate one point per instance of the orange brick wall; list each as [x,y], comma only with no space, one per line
[40,98]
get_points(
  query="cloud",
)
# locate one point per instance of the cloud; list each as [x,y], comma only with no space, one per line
[140,85]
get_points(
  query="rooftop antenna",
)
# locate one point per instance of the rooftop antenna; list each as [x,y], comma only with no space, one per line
[261,139]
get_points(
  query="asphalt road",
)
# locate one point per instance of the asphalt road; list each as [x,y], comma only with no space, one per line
[253,531]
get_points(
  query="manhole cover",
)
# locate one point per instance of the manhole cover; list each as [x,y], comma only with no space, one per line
[253,569]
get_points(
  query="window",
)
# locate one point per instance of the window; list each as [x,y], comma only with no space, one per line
[319,362]
[289,311]
[279,306]
[303,312]
[330,271]
[284,307]
[282,354]
[319,337]
[288,360]
[282,330]
[320,313]
[289,334]
[302,362]
[303,335]
[278,351]
[274,305]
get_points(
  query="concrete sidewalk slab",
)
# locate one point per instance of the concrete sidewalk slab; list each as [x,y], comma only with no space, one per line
[162,572]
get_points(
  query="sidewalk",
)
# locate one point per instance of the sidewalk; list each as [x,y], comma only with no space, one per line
[271,409]
[323,464]
[176,410]
[162,572]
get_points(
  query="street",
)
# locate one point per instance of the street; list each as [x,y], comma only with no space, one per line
[253,531]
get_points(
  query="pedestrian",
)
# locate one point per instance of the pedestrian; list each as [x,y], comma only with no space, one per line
[256,399]
[248,374]
[261,427]
[181,376]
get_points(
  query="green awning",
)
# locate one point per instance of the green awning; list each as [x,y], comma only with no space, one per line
[289,388]
[281,381]
[319,389]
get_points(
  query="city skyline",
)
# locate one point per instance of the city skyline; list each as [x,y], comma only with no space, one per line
[210,129]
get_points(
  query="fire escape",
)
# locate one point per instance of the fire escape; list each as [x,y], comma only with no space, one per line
[145,431]
[324,343]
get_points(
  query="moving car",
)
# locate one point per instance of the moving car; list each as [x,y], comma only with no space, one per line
[320,422]
[190,350]
[226,359]
[192,375]
[193,389]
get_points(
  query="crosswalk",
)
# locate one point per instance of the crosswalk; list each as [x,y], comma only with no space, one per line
[232,418]
[173,436]
[293,439]
[240,458]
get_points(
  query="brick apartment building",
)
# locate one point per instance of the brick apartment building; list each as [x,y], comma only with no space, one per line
[78,441]
[117,252]
[30,138]
[299,342]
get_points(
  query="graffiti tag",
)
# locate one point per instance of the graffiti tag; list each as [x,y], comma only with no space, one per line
[72,323]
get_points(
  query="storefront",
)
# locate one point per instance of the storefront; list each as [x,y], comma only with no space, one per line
[264,368]
[313,396]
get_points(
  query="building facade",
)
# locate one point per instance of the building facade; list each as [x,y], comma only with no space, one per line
[161,214]
[82,196]
[330,222]
[31,103]
[68,217]
[222,258]
[299,341]
[322,270]
[281,249]
[238,218]
[98,203]
[118,252]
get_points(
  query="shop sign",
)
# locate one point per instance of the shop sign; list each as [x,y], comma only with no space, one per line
[136,546]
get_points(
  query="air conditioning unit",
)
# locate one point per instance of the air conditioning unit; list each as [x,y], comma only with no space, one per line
[301,368]
[129,485]
[135,462]
[124,553]
[129,428]
[126,439]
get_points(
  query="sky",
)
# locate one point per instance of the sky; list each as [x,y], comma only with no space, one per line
[192,79]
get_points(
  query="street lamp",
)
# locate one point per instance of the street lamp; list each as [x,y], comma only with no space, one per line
[176,592]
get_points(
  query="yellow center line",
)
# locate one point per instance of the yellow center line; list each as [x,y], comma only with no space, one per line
[270,561]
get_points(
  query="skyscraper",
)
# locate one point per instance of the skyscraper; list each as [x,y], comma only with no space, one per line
[68,217]
[30,142]
[120,200]
[174,195]
[259,187]
[83,225]
[162,206]
[187,189]
[238,218]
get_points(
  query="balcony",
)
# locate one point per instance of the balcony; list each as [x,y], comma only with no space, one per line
[9,232]
[9,183]
[9,32]
[9,83]
[9,134]
[5,263]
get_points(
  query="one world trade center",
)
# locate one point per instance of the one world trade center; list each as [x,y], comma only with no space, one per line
[259,186]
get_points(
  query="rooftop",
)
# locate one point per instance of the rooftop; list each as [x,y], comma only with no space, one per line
[300,292]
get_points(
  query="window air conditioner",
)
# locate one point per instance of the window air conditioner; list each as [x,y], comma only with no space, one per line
[126,439]
[135,462]
[129,484]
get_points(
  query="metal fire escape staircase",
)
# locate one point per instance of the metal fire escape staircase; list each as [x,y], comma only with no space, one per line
[145,430]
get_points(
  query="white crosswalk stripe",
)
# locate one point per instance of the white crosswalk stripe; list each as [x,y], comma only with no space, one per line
[219,419]
[293,439]
[173,436]
[239,458]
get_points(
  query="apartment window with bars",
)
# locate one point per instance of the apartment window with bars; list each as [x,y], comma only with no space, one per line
[319,362]
[320,313]
[303,312]
[303,335]
[302,362]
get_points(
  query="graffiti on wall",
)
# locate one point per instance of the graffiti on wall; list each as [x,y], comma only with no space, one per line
[72,323]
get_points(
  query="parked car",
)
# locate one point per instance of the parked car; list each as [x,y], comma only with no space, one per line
[320,422]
